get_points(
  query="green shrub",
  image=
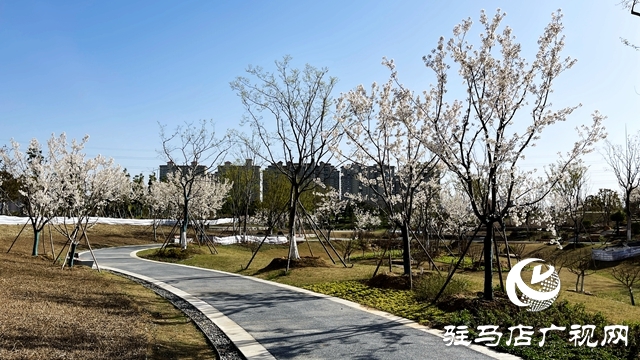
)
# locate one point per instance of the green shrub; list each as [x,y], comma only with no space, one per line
[428,287]
[174,253]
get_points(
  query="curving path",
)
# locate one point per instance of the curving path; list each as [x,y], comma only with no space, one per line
[267,320]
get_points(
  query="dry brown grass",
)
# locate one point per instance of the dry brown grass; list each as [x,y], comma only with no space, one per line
[99,236]
[48,313]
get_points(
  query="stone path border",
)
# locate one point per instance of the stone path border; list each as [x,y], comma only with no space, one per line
[225,348]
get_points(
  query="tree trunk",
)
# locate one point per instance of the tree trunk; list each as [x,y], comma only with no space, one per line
[293,246]
[155,230]
[582,284]
[628,211]
[72,254]
[633,302]
[578,282]
[185,224]
[246,217]
[406,248]
[36,241]
[488,262]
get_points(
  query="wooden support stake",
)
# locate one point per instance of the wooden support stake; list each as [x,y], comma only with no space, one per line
[16,239]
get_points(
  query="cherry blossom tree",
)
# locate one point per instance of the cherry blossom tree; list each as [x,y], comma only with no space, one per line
[84,187]
[9,184]
[206,197]
[330,208]
[482,138]
[300,130]
[36,179]
[625,163]
[570,194]
[191,150]
[377,125]
[455,210]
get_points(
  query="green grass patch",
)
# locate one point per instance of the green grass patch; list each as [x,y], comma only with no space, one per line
[466,262]
[398,302]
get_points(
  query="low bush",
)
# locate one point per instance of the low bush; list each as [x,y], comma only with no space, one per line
[427,288]
[174,253]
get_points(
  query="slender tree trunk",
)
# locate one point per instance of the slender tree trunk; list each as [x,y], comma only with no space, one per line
[633,302]
[582,284]
[406,248]
[488,262]
[293,246]
[36,240]
[185,224]
[628,211]
[155,229]
[246,217]
[578,283]
[72,254]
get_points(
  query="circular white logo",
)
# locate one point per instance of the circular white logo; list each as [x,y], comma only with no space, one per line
[533,299]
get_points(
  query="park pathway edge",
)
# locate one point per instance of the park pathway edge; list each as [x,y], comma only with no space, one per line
[253,348]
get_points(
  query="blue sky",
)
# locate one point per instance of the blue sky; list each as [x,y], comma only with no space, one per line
[114,69]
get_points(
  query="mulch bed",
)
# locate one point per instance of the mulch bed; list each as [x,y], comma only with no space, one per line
[303,262]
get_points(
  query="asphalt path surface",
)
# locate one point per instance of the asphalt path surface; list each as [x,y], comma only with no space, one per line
[290,323]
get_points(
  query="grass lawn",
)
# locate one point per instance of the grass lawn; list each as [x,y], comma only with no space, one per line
[78,313]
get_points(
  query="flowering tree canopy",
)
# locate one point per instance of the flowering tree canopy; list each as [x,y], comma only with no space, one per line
[84,186]
[482,138]
[378,126]
[191,151]
[36,180]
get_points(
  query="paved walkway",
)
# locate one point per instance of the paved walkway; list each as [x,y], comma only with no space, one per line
[268,320]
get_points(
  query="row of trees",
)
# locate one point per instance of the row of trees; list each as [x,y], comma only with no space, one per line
[476,142]
[434,153]
[62,182]
[64,188]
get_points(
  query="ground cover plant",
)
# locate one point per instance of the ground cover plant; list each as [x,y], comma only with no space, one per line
[78,313]
[605,302]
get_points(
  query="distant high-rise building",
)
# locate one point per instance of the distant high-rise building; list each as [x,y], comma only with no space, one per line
[242,173]
[171,167]
[352,175]
[328,174]
[325,172]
